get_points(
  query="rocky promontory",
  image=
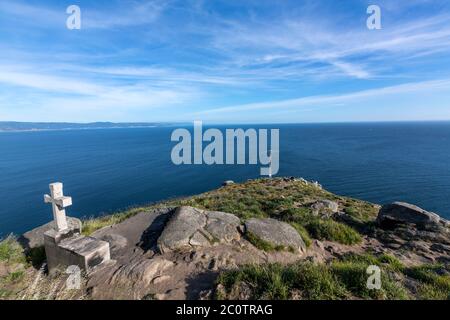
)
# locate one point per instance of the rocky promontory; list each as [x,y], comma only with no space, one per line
[267,238]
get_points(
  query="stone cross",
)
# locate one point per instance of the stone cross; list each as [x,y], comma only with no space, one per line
[59,203]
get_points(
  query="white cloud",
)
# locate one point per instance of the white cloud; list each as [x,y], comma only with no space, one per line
[129,14]
[339,100]
[54,95]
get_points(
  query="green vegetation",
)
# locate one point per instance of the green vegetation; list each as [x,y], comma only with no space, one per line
[13,262]
[435,281]
[312,226]
[303,233]
[342,279]
[11,251]
[264,245]
[94,224]
[359,210]
[288,201]
[274,281]
[333,231]
[351,270]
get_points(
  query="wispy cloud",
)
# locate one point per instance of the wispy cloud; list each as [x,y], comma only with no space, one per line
[215,58]
[340,99]
[107,16]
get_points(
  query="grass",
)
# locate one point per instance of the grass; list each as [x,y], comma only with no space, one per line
[311,226]
[435,281]
[12,257]
[264,245]
[303,233]
[94,224]
[342,279]
[288,201]
[11,252]
[353,275]
[274,281]
[333,231]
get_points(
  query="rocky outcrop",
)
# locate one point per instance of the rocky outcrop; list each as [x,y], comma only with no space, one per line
[227,183]
[116,242]
[144,270]
[177,253]
[35,238]
[190,227]
[276,233]
[400,213]
[324,207]
[406,227]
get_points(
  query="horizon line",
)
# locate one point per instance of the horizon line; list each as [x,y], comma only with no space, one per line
[225,123]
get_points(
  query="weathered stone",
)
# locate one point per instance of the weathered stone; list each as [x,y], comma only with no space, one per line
[190,227]
[160,279]
[178,232]
[275,232]
[319,244]
[63,251]
[143,271]
[59,203]
[439,247]
[35,238]
[154,268]
[223,226]
[199,240]
[62,239]
[398,213]
[116,242]
[324,207]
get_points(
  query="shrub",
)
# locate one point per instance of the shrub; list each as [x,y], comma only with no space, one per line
[11,251]
[435,281]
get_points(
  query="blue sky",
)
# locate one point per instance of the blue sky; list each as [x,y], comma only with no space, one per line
[225,61]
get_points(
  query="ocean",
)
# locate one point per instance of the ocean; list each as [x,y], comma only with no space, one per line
[105,170]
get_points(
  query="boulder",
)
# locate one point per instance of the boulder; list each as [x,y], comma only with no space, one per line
[400,213]
[276,233]
[227,183]
[182,226]
[223,226]
[190,227]
[324,207]
[35,238]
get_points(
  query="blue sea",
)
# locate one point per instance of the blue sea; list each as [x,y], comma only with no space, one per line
[106,170]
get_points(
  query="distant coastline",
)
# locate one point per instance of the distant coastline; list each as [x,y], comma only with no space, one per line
[17,126]
[12,126]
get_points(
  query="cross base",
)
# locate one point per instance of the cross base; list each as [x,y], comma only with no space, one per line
[65,248]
